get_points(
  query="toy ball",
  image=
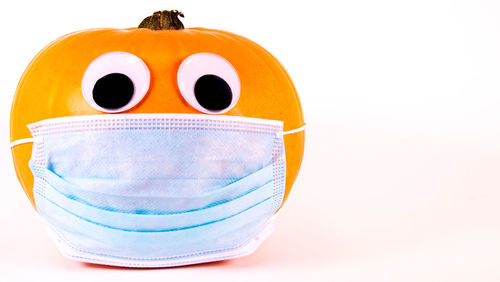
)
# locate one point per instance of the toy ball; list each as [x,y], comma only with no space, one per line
[156,146]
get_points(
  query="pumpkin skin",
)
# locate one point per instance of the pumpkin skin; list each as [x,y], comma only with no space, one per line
[51,85]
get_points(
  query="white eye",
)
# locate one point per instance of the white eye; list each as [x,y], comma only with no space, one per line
[209,83]
[115,82]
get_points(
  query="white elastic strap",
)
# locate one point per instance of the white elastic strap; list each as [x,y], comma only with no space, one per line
[292,131]
[22,141]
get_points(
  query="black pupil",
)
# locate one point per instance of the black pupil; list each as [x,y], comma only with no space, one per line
[212,92]
[113,91]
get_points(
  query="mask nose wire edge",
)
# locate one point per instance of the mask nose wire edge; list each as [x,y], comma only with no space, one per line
[32,139]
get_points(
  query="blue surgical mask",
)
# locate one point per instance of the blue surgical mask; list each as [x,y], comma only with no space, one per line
[154,190]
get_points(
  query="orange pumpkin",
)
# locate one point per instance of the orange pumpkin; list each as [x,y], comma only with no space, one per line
[51,86]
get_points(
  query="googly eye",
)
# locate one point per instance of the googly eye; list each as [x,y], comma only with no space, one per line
[115,82]
[209,83]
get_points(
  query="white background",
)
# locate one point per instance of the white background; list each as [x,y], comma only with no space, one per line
[400,180]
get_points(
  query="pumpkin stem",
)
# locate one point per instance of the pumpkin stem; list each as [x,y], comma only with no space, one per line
[162,20]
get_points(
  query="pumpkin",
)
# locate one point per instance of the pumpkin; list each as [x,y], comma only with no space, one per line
[51,86]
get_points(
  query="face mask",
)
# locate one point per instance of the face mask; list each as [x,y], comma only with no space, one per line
[154,190]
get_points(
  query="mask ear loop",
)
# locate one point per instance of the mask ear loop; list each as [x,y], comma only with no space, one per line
[23,141]
[302,128]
